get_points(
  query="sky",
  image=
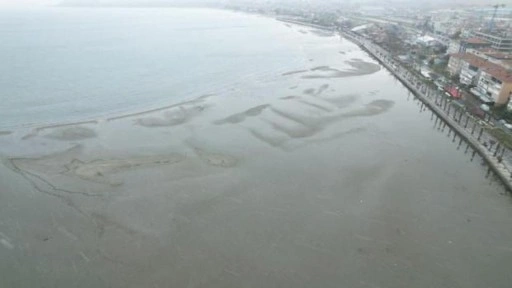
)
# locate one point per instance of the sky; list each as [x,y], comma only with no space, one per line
[21,3]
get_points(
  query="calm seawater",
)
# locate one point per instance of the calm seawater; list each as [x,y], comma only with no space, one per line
[61,65]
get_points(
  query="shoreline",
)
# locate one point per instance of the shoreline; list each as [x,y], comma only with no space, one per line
[108,117]
[503,172]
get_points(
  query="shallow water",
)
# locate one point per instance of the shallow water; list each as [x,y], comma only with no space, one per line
[285,181]
[61,65]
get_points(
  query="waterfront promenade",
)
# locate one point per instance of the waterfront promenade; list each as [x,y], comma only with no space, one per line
[448,115]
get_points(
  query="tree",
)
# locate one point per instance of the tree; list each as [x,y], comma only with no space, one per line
[456,35]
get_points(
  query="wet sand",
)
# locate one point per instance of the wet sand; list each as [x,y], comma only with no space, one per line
[340,184]
[71,133]
[357,68]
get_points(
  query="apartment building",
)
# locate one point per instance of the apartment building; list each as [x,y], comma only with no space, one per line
[492,81]
[454,63]
[469,72]
[496,85]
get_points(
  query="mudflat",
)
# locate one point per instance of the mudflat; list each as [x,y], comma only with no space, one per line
[319,188]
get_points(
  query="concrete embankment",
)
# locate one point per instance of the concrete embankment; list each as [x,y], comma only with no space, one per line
[430,100]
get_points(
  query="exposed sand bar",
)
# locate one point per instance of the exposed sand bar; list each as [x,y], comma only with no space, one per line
[358,68]
[194,101]
[60,125]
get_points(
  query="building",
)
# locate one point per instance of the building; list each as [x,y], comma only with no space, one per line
[473,43]
[444,27]
[470,43]
[454,47]
[441,38]
[497,85]
[469,71]
[500,58]
[493,82]
[500,42]
[454,64]
[426,40]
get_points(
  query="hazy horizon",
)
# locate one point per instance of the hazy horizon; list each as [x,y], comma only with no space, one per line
[34,3]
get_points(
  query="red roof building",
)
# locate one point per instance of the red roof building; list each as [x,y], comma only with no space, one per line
[492,79]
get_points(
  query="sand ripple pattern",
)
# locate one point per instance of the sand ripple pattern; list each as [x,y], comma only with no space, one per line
[173,117]
[99,170]
[240,117]
[211,157]
[282,125]
[63,166]
[358,68]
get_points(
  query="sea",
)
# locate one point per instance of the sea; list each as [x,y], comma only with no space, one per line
[66,64]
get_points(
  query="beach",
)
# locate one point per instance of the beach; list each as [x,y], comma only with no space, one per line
[322,172]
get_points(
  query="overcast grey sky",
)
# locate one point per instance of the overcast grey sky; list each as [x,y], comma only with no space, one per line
[14,3]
